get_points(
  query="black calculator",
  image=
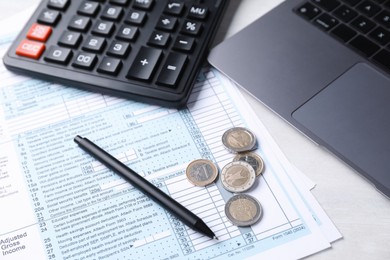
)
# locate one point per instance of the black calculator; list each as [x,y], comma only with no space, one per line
[146,50]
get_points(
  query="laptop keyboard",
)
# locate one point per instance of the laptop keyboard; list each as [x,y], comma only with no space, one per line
[362,25]
[146,50]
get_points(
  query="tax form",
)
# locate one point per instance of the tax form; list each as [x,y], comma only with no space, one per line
[57,202]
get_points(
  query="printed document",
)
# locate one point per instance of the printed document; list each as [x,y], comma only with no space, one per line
[57,202]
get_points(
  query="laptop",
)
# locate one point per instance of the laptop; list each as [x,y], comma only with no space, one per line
[323,69]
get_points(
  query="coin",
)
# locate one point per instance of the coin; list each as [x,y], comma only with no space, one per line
[253,159]
[243,210]
[201,172]
[239,139]
[238,176]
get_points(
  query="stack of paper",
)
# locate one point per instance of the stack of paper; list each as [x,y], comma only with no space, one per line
[59,203]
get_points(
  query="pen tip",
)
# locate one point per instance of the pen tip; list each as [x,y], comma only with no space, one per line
[215,238]
[77,138]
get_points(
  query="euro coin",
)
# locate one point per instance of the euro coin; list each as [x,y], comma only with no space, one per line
[201,172]
[239,139]
[238,176]
[243,210]
[253,159]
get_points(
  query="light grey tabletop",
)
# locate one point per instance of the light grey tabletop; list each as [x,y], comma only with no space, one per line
[360,213]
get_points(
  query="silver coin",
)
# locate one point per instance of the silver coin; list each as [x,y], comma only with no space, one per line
[239,139]
[253,159]
[243,210]
[201,172]
[238,176]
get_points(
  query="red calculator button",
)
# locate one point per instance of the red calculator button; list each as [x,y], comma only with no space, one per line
[39,32]
[30,49]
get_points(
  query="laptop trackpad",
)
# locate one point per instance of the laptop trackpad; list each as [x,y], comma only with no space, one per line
[352,115]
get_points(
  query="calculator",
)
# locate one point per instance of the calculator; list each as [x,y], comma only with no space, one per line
[145,50]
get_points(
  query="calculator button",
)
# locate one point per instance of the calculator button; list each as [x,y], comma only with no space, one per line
[136,17]
[144,64]
[50,17]
[174,8]
[103,28]
[79,23]
[191,27]
[127,33]
[184,43]
[172,69]
[58,55]
[30,49]
[113,13]
[159,39]
[198,12]
[119,49]
[58,4]
[88,8]
[110,66]
[39,32]
[85,60]
[120,2]
[94,44]
[70,39]
[143,4]
[166,23]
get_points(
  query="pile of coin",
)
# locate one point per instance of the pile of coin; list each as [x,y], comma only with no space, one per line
[240,175]
[237,176]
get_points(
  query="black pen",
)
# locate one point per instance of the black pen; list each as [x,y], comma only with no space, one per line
[186,216]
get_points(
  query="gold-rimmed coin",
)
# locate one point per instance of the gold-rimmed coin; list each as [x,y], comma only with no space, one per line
[253,159]
[239,139]
[201,172]
[243,210]
[238,176]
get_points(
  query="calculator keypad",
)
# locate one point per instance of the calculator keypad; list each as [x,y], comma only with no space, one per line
[148,43]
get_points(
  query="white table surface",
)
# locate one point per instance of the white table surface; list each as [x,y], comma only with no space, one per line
[360,212]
